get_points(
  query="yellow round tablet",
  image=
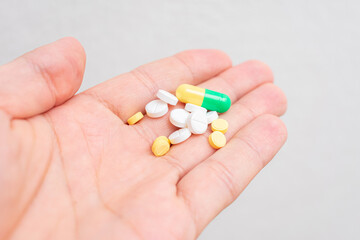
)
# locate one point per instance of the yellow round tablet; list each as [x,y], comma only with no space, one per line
[217,139]
[135,118]
[160,146]
[220,125]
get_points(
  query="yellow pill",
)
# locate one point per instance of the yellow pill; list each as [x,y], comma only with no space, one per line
[160,146]
[220,125]
[217,139]
[135,118]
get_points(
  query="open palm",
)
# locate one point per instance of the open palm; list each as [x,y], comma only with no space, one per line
[70,168]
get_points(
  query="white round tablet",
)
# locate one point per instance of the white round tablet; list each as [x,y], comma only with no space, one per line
[156,108]
[167,97]
[211,116]
[178,117]
[179,136]
[197,122]
[193,108]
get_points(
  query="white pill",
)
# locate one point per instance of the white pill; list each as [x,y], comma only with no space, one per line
[211,116]
[193,108]
[179,136]
[167,97]
[178,117]
[197,122]
[156,108]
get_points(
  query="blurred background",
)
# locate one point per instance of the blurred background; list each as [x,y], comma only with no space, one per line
[311,190]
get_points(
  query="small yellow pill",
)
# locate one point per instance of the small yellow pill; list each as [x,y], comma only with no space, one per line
[217,139]
[135,118]
[160,146]
[220,125]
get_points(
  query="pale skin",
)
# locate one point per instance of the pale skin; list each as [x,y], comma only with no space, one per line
[71,168]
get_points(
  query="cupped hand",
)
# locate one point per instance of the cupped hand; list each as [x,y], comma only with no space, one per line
[71,168]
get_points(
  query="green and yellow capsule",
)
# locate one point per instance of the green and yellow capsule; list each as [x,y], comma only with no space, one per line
[211,100]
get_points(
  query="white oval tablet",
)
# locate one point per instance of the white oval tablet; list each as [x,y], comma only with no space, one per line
[167,97]
[193,108]
[156,108]
[178,117]
[179,136]
[197,122]
[211,116]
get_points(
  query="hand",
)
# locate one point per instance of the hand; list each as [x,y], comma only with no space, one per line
[71,168]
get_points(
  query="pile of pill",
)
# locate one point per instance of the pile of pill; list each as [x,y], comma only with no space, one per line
[194,119]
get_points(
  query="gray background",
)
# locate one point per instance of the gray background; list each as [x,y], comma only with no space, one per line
[311,189]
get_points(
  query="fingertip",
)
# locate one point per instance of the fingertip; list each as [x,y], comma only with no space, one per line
[77,50]
[72,65]
[260,71]
[280,99]
[202,59]
[274,97]
[61,64]
[43,78]
[272,127]
[245,77]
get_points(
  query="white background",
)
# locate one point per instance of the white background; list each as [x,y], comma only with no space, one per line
[311,189]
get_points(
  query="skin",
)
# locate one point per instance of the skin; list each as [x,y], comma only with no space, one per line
[71,168]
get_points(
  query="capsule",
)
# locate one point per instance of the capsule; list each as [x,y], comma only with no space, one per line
[211,100]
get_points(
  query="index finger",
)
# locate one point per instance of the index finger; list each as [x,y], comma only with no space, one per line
[130,92]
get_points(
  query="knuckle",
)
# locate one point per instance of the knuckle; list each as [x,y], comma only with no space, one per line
[145,79]
[226,177]
[175,164]
[146,133]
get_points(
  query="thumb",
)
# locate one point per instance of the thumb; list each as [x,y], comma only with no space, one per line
[42,78]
